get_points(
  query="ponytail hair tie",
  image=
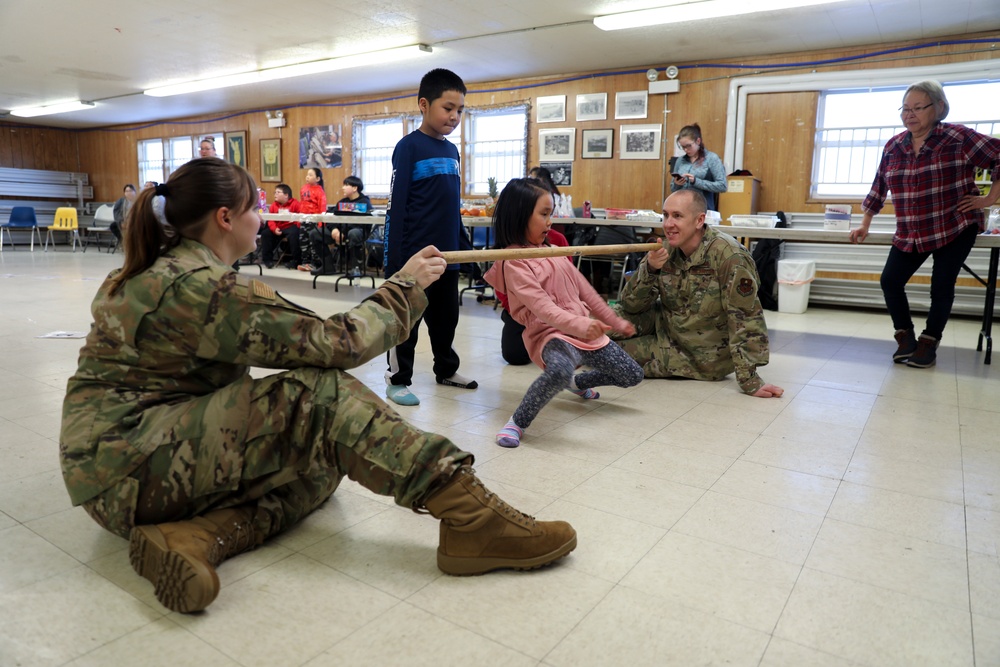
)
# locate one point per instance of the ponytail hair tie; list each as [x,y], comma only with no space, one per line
[161,189]
[159,206]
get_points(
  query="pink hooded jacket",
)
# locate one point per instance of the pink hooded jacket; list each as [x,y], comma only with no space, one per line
[552,299]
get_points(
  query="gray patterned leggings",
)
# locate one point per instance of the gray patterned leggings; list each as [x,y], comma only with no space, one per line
[610,365]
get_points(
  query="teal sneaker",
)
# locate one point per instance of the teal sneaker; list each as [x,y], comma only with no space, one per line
[400,394]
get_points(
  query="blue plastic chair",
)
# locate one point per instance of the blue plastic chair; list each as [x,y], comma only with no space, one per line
[21,217]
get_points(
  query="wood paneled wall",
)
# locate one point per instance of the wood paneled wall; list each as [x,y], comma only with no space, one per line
[32,147]
[779,132]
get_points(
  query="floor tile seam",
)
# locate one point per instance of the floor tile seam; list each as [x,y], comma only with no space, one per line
[773,504]
[885,457]
[350,576]
[661,479]
[688,607]
[907,493]
[965,609]
[800,472]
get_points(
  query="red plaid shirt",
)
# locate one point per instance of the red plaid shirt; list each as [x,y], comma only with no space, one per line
[927,187]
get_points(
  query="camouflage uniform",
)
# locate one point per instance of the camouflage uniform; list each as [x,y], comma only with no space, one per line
[163,422]
[699,316]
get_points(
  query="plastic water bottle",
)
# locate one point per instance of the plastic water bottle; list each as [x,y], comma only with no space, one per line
[261,200]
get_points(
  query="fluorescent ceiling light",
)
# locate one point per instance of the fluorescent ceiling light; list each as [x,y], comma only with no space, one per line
[62,107]
[288,71]
[697,11]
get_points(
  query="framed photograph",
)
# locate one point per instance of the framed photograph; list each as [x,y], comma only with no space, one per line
[640,142]
[236,148]
[592,106]
[551,109]
[562,172]
[320,147]
[270,160]
[597,143]
[556,145]
[631,104]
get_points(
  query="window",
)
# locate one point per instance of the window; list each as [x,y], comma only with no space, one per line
[371,160]
[150,161]
[853,127]
[158,158]
[492,142]
[496,147]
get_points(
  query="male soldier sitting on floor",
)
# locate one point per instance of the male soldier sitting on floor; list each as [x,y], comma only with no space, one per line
[695,306]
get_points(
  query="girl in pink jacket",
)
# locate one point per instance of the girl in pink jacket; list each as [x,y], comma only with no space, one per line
[565,319]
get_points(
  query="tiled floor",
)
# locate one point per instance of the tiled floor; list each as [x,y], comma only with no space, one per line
[855,521]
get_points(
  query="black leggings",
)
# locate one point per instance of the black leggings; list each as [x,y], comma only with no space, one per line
[900,267]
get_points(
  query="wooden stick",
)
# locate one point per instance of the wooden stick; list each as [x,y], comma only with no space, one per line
[463,256]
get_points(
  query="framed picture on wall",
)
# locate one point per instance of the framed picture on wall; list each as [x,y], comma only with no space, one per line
[551,109]
[640,142]
[592,106]
[270,160]
[597,143]
[562,172]
[236,148]
[556,145]
[631,104]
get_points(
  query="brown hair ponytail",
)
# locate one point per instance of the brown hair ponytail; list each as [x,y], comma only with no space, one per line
[190,195]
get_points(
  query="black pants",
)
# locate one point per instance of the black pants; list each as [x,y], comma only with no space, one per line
[442,319]
[269,242]
[511,341]
[900,267]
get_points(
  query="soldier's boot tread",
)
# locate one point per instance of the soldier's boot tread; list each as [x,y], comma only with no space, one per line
[179,558]
[182,582]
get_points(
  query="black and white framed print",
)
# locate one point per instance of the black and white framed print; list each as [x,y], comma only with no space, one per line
[597,143]
[556,144]
[551,109]
[631,104]
[640,142]
[592,106]
[562,172]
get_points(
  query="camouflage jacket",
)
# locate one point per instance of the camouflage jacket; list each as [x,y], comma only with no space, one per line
[708,309]
[190,327]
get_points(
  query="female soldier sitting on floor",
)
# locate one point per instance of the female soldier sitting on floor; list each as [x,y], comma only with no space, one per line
[168,440]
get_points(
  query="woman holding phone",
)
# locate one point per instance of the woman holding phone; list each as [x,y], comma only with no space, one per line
[699,169]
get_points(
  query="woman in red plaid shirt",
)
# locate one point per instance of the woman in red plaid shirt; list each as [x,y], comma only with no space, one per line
[930,170]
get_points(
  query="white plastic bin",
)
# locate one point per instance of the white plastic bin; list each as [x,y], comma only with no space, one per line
[794,276]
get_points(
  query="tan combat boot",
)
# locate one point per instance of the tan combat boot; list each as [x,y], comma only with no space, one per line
[179,558]
[480,532]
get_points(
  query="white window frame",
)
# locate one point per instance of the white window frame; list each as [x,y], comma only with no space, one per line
[846,159]
[741,88]
[171,155]
[366,160]
[503,157]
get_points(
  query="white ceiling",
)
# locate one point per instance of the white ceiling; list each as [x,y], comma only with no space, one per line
[110,50]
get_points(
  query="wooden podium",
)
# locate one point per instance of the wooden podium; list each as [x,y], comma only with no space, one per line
[741,197]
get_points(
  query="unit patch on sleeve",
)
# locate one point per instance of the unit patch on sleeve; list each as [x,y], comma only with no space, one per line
[745,288]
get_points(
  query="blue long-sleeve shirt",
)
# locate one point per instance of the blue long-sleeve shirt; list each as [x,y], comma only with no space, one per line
[709,177]
[425,200]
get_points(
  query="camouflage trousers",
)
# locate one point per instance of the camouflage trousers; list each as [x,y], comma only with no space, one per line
[306,430]
[652,349]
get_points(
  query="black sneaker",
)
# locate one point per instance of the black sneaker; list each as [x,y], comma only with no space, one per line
[907,345]
[925,355]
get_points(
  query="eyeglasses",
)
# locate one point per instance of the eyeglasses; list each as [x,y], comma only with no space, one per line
[903,111]
[686,146]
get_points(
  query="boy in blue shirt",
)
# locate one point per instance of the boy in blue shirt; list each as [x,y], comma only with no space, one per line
[424,209]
